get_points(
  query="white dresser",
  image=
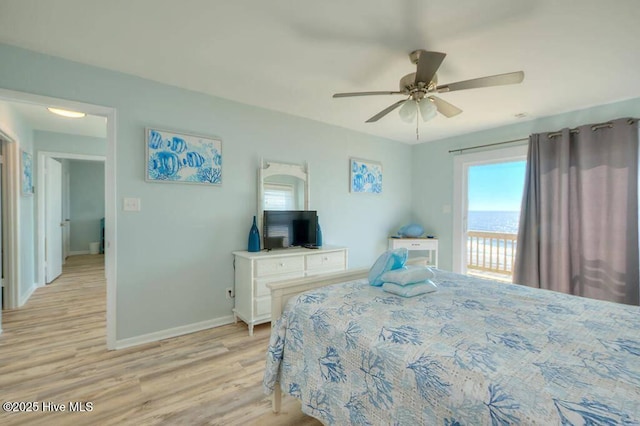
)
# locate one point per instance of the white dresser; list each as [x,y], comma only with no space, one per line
[254,270]
[427,245]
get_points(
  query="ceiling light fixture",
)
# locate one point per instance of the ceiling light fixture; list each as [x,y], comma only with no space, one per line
[67,113]
[427,109]
[409,111]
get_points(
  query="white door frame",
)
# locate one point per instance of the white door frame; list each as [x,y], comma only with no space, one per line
[41,221]
[11,217]
[461,164]
[2,169]
[66,203]
[110,197]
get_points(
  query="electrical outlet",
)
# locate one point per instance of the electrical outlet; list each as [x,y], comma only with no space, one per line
[229,293]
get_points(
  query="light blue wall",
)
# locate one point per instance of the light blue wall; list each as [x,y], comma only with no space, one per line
[12,123]
[66,143]
[433,165]
[174,257]
[86,191]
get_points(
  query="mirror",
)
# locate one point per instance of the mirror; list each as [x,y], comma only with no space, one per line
[283,192]
[282,186]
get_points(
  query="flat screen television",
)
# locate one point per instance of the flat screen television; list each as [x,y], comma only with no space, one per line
[289,228]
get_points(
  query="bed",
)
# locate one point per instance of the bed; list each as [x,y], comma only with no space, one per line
[474,352]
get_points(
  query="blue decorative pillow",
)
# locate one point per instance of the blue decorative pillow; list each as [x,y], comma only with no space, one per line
[412,230]
[389,260]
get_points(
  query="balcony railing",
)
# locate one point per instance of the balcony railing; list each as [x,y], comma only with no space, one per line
[491,252]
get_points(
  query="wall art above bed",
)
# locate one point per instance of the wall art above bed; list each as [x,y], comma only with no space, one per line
[182,158]
[365,176]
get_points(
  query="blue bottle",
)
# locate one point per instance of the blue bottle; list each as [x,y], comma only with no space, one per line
[254,237]
[318,234]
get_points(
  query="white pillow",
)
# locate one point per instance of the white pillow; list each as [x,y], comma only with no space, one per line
[407,275]
[411,289]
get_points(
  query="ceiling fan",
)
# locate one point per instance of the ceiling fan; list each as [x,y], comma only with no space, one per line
[420,87]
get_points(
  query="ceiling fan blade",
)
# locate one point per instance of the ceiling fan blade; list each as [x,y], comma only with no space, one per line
[493,80]
[346,95]
[385,111]
[444,107]
[428,64]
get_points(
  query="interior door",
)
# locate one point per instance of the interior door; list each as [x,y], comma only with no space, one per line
[53,219]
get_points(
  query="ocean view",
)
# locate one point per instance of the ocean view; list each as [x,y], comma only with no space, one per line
[493,217]
[493,221]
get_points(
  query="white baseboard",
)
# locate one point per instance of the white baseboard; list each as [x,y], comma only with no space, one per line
[173,332]
[23,299]
[76,253]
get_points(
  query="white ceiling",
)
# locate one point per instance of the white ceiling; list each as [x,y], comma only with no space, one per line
[291,56]
[38,118]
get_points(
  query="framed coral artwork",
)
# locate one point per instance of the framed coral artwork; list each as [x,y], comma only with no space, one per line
[182,158]
[27,173]
[366,176]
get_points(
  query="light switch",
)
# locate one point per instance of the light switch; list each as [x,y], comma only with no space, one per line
[446,208]
[131,205]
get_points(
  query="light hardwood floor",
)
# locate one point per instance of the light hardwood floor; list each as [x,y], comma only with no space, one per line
[53,350]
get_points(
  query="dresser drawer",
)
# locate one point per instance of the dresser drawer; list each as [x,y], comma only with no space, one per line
[261,288]
[326,261]
[415,244]
[262,306]
[279,265]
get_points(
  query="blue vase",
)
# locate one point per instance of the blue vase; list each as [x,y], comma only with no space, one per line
[254,237]
[318,235]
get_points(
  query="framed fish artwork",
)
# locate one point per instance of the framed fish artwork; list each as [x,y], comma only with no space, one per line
[182,158]
[365,176]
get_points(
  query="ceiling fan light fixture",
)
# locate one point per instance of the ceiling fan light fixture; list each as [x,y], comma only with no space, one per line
[66,113]
[427,109]
[421,86]
[408,111]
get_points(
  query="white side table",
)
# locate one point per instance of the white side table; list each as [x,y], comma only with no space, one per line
[428,245]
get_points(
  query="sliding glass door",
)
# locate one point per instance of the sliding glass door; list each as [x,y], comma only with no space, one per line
[487,198]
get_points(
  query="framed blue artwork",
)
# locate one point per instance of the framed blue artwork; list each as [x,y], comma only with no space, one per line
[366,176]
[27,173]
[182,158]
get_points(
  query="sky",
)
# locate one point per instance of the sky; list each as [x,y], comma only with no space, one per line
[496,187]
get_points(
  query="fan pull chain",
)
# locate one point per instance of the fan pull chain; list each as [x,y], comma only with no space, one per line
[417,125]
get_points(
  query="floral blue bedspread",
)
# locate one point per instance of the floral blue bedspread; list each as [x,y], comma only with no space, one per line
[474,352]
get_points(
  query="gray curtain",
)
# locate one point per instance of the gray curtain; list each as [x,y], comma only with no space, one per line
[579,219]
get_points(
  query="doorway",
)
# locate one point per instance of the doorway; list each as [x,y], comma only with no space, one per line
[487,196]
[52,222]
[12,249]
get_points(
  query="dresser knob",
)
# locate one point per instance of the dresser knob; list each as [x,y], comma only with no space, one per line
[281,264]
